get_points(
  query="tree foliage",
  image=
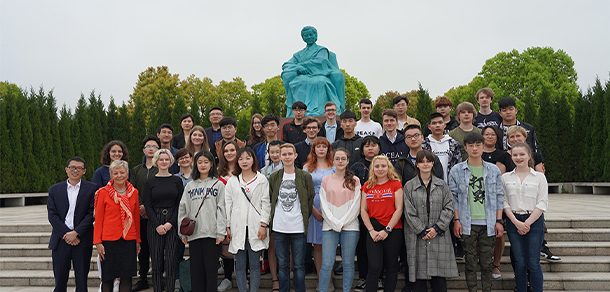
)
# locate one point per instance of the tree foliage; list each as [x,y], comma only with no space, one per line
[385,101]
[424,106]
[355,90]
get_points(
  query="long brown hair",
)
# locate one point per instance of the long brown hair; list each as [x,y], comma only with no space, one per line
[312,158]
[105,155]
[223,165]
[254,138]
[348,179]
[527,148]
[204,145]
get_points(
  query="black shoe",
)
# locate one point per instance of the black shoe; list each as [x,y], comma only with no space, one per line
[139,286]
[546,254]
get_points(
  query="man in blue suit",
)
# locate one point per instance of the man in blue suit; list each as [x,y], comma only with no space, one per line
[70,207]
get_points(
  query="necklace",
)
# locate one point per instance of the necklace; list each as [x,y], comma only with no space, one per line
[120,191]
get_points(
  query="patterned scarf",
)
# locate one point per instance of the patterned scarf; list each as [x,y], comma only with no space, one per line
[123,201]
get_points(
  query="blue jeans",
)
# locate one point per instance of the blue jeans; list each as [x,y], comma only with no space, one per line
[240,268]
[330,239]
[284,243]
[526,250]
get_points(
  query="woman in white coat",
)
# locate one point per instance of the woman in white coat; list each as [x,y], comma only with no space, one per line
[248,206]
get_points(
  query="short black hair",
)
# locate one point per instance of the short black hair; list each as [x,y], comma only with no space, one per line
[367,140]
[270,118]
[506,102]
[228,121]
[434,116]
[187,115]
[76,158]
[151,137]
[473,137]
[399,98]
[365,101]
[413,126]
[216,108]
[276,143]
[347,115]
[165,126]
[299,105]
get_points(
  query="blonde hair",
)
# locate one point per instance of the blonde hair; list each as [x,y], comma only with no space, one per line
[465,106]
[163,151]
[392,175]
[117,164]
[513,129]
[288,145]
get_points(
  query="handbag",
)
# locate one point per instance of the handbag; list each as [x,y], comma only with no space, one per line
[187,225]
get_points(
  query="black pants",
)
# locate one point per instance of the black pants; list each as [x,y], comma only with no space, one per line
[204,255]
[363,259]
[144,256]
[66,255]
[163,251]
[383,254]
[439,284]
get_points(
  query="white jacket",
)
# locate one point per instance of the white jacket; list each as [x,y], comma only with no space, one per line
[239,211]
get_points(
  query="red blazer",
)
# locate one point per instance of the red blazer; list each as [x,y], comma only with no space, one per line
[108,223]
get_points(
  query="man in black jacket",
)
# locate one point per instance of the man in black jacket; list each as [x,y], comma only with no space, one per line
[350,140]
[508,111]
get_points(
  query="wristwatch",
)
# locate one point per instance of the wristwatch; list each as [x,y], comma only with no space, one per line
[501,221]
[388,229]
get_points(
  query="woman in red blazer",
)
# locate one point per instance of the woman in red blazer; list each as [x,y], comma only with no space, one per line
[117,228]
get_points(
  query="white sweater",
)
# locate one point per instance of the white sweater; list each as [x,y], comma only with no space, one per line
[211,222]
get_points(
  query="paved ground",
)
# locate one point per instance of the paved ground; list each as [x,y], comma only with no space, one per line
[561,206]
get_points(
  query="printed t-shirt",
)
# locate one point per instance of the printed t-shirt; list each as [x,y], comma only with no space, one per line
[288,217]
[476,195]
[371,128]
[380,201]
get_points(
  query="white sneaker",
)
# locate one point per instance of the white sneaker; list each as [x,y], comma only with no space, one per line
[225,285]
[117,283]
[100,289]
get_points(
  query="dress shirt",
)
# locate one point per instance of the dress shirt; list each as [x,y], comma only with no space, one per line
[72,196]
[331,132]
[532,193]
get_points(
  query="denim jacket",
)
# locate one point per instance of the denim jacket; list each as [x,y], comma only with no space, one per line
[494,194]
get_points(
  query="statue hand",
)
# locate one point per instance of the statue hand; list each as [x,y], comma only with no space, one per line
[303,71]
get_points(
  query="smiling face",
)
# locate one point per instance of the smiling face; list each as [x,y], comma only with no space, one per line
[165,135]
[256,124]
[119,175]
[520,156]
[245,161]
[340,160]
[515,138]
[389,123]
[425,166]
[230,152]
[75,170]
[321,151]
[116,153]
[186,124]
[164,162]
[185,161]
[197,138]
[203,165]
[274,153]
[380,167]
[490,137]
[371,150]
[330,112]
[365,109]
[311,130]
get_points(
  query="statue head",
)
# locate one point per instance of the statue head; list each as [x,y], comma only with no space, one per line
[309,35]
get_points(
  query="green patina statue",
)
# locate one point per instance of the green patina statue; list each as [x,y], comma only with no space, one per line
[312,76]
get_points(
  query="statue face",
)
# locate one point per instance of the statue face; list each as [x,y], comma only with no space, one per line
[309,36]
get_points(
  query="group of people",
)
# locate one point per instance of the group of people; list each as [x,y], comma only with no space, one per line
[395,195]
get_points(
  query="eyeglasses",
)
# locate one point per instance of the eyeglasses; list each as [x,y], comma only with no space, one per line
[311,128]
[215,115]
[410,137]
[400,104]
[77,168]
[184,158]
[151,147]
[330,110]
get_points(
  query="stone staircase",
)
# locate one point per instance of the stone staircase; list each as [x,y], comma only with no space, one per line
[583,245]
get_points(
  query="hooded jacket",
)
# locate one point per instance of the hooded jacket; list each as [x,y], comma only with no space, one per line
[406,169]
[395,149]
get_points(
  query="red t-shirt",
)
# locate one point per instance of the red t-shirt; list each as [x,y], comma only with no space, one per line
[380,201]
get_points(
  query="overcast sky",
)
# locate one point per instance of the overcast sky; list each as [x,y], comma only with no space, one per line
[73,47]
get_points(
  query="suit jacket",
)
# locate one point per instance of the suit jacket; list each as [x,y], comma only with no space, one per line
[57,207]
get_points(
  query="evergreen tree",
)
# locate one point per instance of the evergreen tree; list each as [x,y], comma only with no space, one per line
[83,140]
[425,106]
[547,133]
[123,129]
[567,145]
[12,164]
[196,112]
[55,140]
[113,121]
[582,135]
[161,115]
[607,128]
[99,124]
[65,132]
[40,131]
[29,179]
[598,131]
[138,132]
[178,110]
